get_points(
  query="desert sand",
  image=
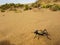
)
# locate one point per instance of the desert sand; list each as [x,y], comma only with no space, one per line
[19,27]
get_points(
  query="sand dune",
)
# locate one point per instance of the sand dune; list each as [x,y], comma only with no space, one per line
[18,27]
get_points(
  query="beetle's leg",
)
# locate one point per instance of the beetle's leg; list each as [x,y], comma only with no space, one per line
[48,37]
[35,36]
[38,36]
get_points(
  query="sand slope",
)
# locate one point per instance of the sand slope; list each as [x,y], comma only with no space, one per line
[18,27]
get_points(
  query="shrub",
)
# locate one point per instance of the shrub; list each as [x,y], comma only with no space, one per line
[43,5]
[30,8]
[48,5]
[55,7]
[2,10]
[26,7]
[19,5]
[12,5]
[35,5]
[5,6]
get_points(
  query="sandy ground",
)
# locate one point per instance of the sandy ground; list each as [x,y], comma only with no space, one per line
[18,27]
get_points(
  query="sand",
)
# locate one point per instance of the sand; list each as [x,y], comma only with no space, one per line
[19,27]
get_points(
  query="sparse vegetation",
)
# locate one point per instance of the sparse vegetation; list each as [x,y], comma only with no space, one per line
[2,10]
[49,5]
[26,7]
[55,7]
[10,6]
[36,5]
[13,7]
[43,5]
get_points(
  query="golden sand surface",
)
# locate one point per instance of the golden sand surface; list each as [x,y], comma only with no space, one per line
[18,27]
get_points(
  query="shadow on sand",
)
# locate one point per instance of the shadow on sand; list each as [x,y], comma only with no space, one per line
[6,42]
